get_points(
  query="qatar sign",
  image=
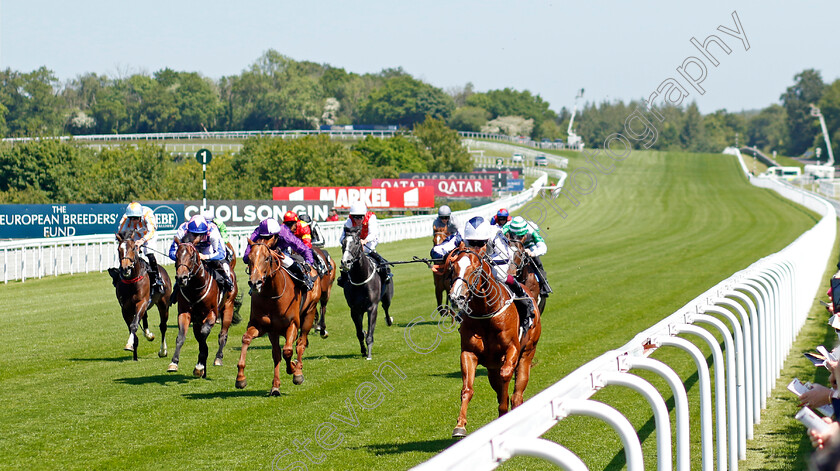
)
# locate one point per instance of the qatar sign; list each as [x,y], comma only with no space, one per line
[373,198]
[456,188]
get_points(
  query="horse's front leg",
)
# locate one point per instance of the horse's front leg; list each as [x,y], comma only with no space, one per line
[133,340]
[357,314]
[501,387]
[322,318]
[183,324]
[303,342]
[251,333]
[201,330]
[468,364]
[163,310]
[276,355]
[288,347]
[371,328]
[227,318]
[511,359]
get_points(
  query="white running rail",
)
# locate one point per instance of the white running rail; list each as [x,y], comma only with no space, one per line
[764,306]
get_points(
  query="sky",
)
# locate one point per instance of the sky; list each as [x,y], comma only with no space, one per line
[613,50]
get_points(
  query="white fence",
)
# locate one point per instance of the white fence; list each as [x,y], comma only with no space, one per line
[528,154]
[36,258]
[764,306]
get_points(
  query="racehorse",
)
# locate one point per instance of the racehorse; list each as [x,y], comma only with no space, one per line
[326,283]
[526,271]
[441,233]
[200,301]
[364,290]
[490,333]
[277,308]
[133,293]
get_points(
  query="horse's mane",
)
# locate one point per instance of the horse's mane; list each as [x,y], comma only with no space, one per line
[352,230]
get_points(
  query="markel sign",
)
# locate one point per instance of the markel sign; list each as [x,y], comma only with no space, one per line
[373,198]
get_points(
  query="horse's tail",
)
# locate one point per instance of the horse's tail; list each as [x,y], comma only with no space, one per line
[237,303]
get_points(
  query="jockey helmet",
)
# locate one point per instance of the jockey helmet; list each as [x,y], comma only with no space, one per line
[290,216]
[503,213]
[358,209]
[268,227]
[305,218]
[197,225]
[519,226]
[476,229]
[134,210]
[444,211]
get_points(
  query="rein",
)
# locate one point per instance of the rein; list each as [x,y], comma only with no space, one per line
[196,269]
[358,258]
[490,277]
[273,256]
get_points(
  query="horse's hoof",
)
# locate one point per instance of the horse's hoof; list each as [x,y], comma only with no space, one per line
[459,432]
[162,352]
[200,372]
[368,357]
[241,384]
[297,379]
[128,347]
[324,334]
[217,362]
[173,367]
[274,392]
[149,335]
[389,321]
[317,328]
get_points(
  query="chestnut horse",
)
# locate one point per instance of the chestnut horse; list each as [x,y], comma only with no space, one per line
[326,283]
[525,271]
[490,333]
[133,293]
[200,301]
[441,233]
[277,308]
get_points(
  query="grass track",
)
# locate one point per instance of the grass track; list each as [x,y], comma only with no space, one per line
[657,231]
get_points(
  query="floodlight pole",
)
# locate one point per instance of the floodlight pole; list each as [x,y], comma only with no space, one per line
[816,113]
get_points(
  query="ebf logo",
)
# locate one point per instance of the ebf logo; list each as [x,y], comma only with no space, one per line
[165,217]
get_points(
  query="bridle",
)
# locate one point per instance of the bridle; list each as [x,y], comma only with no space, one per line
[123,249]
[356,252]
[472,286]
[274,261]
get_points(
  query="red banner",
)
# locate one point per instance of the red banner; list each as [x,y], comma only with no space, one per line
[374,198]
[457,188]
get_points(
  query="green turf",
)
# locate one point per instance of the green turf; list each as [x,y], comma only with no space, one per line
[656,232]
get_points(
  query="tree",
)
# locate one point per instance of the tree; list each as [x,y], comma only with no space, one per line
[31,103]
[469,118]
[405,101]
[807,89]
[388,157]
[693,135]
[441,147]
[768,129]
[510,125]
[829,106]
[510,102]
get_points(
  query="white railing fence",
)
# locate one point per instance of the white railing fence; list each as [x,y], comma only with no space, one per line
[528,154]
[36,258]
[758,312]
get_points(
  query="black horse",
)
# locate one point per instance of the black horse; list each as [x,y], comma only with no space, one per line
[364,289]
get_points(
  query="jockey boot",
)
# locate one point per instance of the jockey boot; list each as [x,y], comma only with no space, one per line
[525,303]
[382,266]
[303,274]
[154,276]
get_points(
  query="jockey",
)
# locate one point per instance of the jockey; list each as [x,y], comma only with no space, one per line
[501,218]
[140,220]
[480,233]
[360,216]
[287,243]
[222,231]
[534,244]
[444,221]
[206,238]
[298,227]
[317,241]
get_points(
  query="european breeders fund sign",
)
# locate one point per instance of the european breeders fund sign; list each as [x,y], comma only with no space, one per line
[24,221]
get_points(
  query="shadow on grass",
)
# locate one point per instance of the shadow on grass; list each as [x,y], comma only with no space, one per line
[229,394]
[159,379]
[428,446]
[120,358]
[342,356]
[479,372]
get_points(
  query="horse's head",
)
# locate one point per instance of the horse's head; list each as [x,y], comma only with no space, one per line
[519,258]
[262,263]
[351,247]
[187,262]
[464,272]
[127,252]
[440,235]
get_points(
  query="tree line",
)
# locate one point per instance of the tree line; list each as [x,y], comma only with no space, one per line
[48,171]
[277,93]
